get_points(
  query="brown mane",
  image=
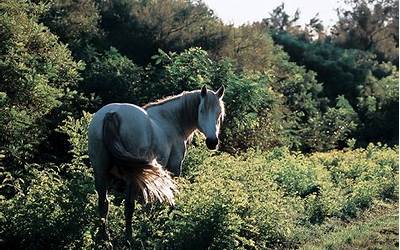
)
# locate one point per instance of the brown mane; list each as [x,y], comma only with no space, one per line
[167,99]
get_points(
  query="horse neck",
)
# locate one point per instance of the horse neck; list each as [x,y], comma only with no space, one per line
[182,113]
[188,112]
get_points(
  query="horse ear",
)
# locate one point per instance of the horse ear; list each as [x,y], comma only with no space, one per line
[220,92]
[204,91]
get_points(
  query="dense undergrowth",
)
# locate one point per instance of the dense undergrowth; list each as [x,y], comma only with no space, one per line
[376,228]
[288,90]
[254,200]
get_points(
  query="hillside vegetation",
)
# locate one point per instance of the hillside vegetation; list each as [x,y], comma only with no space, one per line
[274,199]
[378,229]
[310,134]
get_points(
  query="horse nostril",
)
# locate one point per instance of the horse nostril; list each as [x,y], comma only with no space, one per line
[212,143]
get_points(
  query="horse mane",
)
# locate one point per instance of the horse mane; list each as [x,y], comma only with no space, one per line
[186,110]
[170,98]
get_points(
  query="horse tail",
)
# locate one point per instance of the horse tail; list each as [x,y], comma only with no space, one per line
[154,182]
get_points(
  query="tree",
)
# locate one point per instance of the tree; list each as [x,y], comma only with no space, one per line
[340,70]
[139,28]
[250,48]
[37,73]
[371,25]
[329,130]
[378,105]
[112,77]
[315,29]
[281,21]
[255,116]
[76,23]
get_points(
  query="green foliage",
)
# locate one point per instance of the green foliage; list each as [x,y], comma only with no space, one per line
[174,73]
[36,73]
[253,115]
[379,105]
[370,25]
[340,70]
[314,98]
[359,78]
[364,175]
[52,212]
[76,23]
[251,49]
[254,200]
[57,207]
[76,129]
[139,28]
[113,77]
[335,126]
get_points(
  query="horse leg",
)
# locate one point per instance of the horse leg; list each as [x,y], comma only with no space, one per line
[101,188]
[129,206]
[175,160]
[101,164]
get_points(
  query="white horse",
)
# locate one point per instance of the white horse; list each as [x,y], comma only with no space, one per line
[135,144]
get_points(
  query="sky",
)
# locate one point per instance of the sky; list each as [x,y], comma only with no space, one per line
[247,11]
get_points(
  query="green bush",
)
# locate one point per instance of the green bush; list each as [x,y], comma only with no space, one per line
[113,77]
[52,212]
[57,207]
[253,200]
[363,175]
[37,73]
[335,126]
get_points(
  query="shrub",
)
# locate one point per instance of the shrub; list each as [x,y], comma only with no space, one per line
[363,176]
[113,77]
[57,207]
[37,73]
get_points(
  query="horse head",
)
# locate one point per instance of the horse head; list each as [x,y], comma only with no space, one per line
[210,115]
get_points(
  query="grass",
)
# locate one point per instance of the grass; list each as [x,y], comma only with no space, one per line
[378,228]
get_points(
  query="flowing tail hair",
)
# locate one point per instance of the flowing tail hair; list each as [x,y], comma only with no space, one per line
[150,178]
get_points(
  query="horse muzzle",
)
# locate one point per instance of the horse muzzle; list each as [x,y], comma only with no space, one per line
[212,143]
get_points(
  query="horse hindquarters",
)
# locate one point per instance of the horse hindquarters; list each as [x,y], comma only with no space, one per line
[147,177]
